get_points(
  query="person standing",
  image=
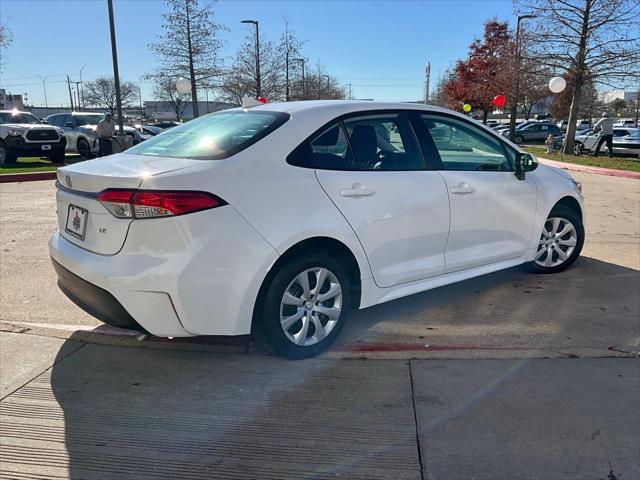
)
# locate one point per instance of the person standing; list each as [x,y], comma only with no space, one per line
[605,125]
[106,130]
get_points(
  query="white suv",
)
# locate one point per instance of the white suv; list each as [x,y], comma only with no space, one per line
[23,135]
[290,214]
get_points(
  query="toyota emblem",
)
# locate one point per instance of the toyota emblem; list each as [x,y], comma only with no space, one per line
[67,180]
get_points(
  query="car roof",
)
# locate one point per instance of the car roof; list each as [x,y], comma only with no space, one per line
[340,107]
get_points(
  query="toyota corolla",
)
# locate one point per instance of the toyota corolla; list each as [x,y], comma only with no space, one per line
[288,215]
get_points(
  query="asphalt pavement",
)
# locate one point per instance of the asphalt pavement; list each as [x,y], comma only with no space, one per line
[507,376]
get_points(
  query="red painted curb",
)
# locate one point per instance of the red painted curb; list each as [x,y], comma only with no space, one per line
[27,177]
[587,169]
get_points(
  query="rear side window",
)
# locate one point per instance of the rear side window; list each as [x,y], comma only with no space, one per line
[328,150]
[214,136]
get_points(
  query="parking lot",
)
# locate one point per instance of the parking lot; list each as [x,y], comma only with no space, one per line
[416,388]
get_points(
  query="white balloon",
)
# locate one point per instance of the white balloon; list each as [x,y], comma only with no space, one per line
[557,84]
[183,86]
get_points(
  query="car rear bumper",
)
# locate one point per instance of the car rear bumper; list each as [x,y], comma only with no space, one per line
[94,300]
[196,274]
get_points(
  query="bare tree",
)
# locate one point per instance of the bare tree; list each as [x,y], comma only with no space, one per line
[290,47]
[241,79]
[591,39]
[189,46]
[101,93]
[165,90]
[6,37]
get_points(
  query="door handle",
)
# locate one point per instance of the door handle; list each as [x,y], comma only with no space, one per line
[357,190]
[462,189]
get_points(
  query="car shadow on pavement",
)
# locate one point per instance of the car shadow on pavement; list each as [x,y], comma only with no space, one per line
[593,304]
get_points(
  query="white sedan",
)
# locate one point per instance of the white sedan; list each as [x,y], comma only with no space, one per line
[291,214]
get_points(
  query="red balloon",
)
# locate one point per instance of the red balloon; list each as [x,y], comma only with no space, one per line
[262,100]
[499,100]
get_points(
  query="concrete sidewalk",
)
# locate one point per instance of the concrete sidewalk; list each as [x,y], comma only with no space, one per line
[114,412]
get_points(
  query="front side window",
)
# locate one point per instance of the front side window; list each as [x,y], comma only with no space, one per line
[383,142]
[214,136]
[465,147]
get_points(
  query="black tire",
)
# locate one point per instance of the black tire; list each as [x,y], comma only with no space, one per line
[519,139]
[7,157]
[574,218]
[270,313]
[57,156]
[83,149]
[577,148]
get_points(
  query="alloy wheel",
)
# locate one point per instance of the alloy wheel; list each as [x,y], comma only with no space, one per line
[557,242]
[3,155]
[311,306]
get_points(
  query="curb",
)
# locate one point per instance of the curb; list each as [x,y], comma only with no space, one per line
[27,177]
[587,169]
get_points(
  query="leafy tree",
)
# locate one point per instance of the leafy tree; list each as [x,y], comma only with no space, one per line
[479,78]
[101,93]
[590,40]
[289,47]
[618,104]
[189,46]
[6,37]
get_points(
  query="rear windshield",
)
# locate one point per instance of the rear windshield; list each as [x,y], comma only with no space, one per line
[214,136]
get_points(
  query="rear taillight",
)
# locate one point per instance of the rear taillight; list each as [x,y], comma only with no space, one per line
[155,204]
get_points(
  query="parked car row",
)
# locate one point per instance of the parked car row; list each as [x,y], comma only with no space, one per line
[625,141]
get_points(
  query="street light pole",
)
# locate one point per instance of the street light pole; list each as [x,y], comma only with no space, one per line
[301,60]
[258,83]
[516,93]
[44,87]
[327,77]
[114,57]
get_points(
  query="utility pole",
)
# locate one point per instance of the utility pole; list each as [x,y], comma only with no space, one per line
[327,88]
[70,95]
[349,85]
[78,94]
[427,73]
[286,61]
[44,87]
[301,60]
[257,55]
[116,74]
[140,99]
[82,86]
[516,93]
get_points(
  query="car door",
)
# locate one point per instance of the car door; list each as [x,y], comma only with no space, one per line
[371,168]
[492,212]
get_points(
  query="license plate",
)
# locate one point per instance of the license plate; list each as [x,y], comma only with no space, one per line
[76,221]
[46,147]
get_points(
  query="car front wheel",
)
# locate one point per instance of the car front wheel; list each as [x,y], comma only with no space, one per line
[6,156]
[577,148]
[519,139]
[84,149]
[306,305]
[560,243]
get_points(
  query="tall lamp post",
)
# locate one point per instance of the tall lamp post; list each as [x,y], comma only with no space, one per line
[258,83]
[328,78]
[516,92]
[116,75]
[44,87]
[301,60]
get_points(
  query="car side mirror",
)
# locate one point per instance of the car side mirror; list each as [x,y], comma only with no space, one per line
[525,162]
[69,124]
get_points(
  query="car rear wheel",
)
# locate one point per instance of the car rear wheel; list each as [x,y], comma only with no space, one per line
[306,305]
[560,243]
[83,149]
[519,139]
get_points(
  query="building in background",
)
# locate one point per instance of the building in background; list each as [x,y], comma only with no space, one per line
[619,94]
[10,101]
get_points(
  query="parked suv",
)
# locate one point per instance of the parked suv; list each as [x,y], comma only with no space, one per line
[23,135]
[79,129]
[537,131]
